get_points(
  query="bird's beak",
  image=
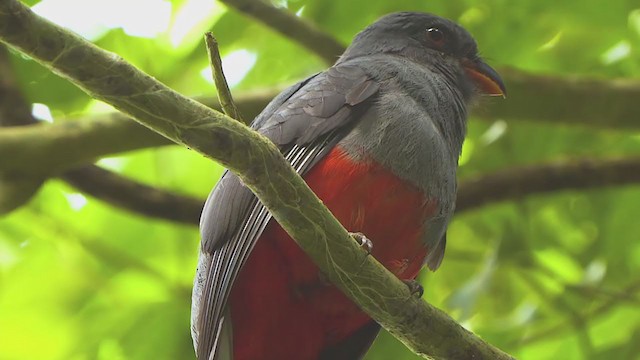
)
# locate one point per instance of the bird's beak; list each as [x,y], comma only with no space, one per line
[486,79]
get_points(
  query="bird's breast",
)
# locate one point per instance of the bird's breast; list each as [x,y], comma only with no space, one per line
[282,305]
[366,197]
[405,140]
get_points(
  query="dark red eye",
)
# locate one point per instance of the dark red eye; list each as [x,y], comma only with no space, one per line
[436,36]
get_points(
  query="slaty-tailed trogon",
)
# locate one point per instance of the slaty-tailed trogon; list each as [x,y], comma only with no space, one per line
[377,137]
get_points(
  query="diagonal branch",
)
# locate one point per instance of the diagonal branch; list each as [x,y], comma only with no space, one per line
[259,163]
[295,28]
[17,189]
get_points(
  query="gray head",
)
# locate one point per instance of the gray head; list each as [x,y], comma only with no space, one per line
[431,40]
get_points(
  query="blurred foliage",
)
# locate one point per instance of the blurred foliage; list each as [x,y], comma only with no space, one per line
[547,277]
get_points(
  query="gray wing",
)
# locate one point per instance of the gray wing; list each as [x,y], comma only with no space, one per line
[305,121]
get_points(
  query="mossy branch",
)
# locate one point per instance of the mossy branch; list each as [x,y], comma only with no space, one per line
[105,76]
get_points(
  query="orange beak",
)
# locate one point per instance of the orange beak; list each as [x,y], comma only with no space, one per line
[486,79]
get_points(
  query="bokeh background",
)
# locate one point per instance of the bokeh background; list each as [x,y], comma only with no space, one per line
[546,276]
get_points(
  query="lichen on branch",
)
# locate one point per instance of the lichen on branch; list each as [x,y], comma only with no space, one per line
[103,75]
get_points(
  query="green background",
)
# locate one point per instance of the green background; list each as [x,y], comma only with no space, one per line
[546,277]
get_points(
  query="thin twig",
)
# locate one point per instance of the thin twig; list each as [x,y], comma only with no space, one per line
[224,94]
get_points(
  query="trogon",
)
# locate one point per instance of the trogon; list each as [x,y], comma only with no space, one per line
[377,137]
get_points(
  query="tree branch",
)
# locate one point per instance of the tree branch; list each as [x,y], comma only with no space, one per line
[295,28]
[15,190]
[53,148]
[571,99]
[425,329]
[514,183]
[224,94]
[134,196]
[530,98]
[475,192]
[14,109]
[45,149]
[574,100]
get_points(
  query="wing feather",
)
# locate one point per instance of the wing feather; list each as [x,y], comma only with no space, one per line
[306,122]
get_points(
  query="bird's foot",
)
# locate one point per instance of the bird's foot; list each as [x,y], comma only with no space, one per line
[363,241]
[414,288]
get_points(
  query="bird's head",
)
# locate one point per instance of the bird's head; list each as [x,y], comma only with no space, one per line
[432,40]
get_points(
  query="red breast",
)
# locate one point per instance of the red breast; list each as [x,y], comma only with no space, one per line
[280,305]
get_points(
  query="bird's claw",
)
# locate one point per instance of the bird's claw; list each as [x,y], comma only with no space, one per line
[414,288]
[363,241]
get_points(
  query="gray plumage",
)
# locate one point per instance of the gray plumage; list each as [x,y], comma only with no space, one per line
[306,121]
[391,98]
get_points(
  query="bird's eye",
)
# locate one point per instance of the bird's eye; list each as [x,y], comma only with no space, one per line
[436,36]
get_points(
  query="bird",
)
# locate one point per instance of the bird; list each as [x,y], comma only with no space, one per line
[377,137]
